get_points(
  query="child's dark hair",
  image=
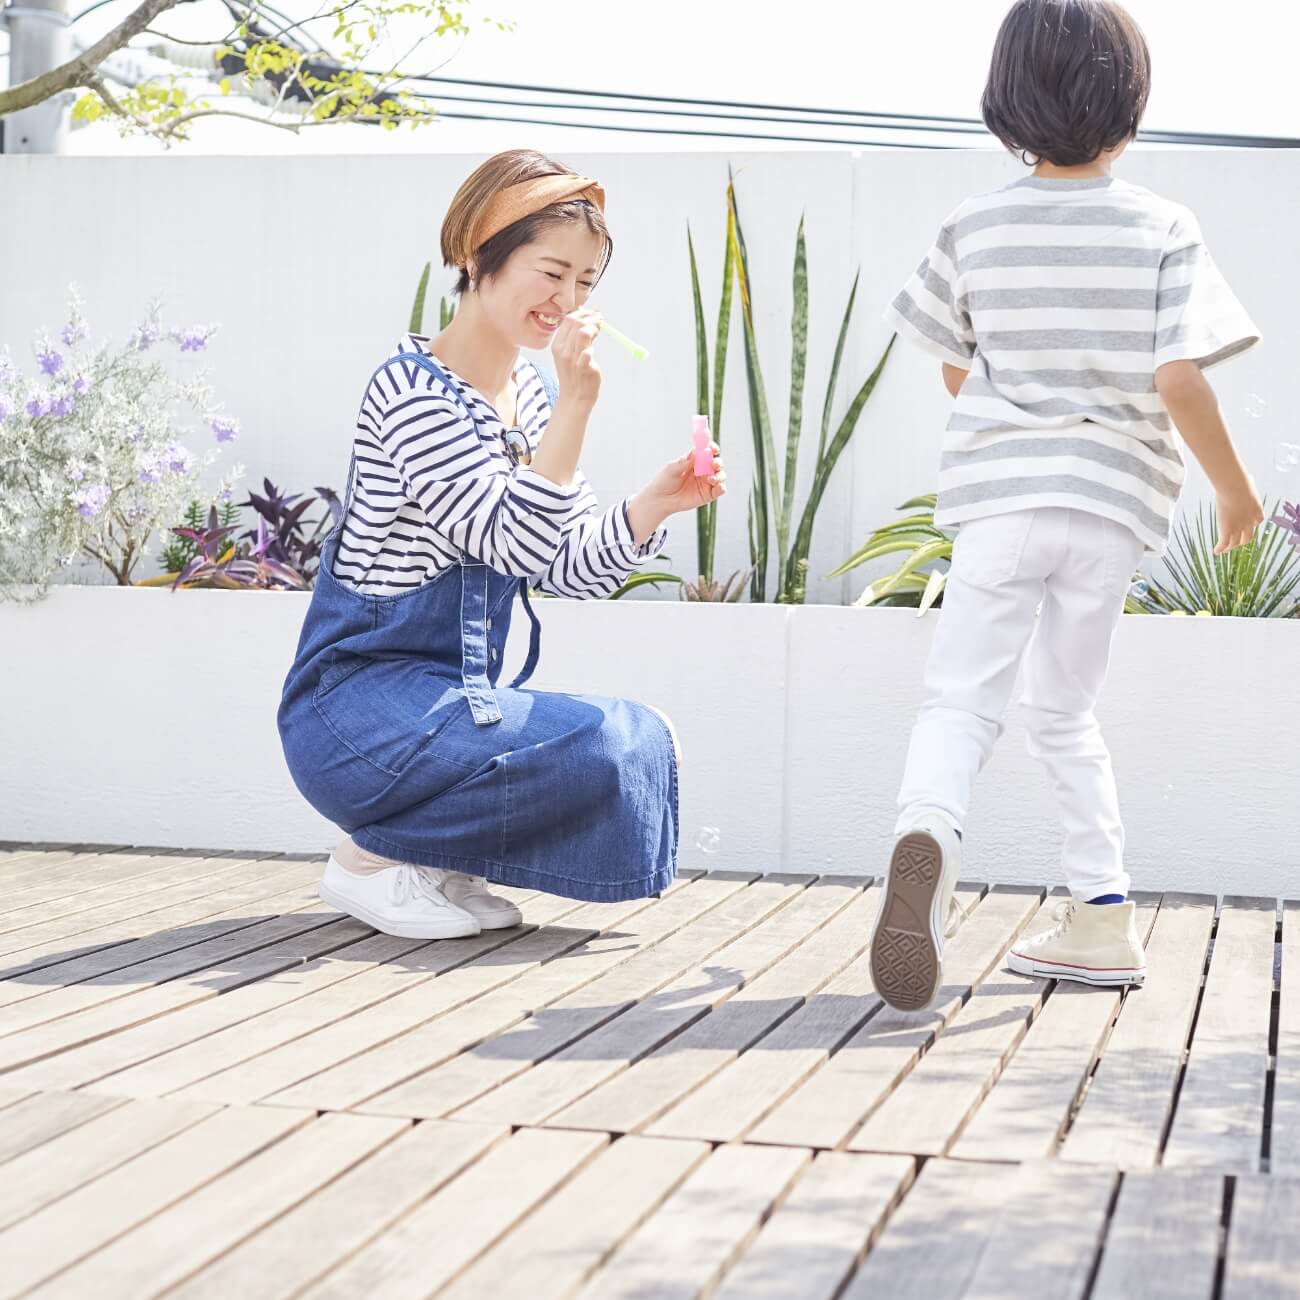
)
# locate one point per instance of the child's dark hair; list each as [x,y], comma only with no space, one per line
[1068,80]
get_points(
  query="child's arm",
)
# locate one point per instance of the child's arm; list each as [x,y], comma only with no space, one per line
[1193,407]
[953,378]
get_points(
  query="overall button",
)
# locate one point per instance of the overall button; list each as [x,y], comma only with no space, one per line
[489,625]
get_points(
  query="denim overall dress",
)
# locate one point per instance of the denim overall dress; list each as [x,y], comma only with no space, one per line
[394,728]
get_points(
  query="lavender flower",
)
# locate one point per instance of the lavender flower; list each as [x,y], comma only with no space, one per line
[76,473]
[51,362]
[7,371]
[73,332]
[150,472]
[146,336]
[176,458]
[194,339]
[136,434]
[81,385]
[38,405]
[90,501]
[226,428]
[63,405]
[6,407]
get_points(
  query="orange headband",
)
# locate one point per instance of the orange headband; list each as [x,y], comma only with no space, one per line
[520,201]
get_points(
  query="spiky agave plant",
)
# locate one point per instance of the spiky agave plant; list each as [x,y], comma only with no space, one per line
[917,581]
[1258,580]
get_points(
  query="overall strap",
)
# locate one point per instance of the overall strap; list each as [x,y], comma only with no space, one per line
[549,384]
[534,638]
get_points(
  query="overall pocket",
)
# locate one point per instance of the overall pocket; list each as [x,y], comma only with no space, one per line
[387,710]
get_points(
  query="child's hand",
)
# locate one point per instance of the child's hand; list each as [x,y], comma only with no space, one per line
[1239,513]
[676,488]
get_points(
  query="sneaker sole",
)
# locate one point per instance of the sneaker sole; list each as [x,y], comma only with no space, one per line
[449,929]
[502,921]
[1098,976]
[906,953]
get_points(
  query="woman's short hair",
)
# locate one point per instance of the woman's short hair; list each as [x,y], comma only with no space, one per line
[1068,80]
[498,173]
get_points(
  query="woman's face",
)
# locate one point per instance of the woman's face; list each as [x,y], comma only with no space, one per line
[542,282]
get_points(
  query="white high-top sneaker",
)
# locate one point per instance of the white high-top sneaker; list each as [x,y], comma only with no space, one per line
[471,893]
[916,914]
[404,900]
[1092,943]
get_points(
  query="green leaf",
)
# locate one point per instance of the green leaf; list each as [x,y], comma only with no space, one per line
[798,370]
[703,553]
[417,309]
[643,579]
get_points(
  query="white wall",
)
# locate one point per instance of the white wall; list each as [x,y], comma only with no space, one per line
[310,264]
[149,717]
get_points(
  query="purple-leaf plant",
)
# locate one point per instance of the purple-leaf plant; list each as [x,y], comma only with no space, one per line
[293,540]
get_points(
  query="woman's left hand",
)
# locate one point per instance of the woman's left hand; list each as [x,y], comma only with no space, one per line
[676,487]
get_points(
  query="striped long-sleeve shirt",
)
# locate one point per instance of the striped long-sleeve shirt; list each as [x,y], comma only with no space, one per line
[1062,297]
[434,486]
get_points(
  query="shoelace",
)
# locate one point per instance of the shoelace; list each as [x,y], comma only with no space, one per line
[412,882]
[1062,914]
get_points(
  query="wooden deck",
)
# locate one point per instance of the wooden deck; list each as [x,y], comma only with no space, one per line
[212,1085]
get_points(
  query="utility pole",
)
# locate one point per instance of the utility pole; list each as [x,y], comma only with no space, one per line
[39,41]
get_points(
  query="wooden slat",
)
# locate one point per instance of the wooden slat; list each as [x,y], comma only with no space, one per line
[261,951]
[681,1249]
[121,931]
[924,1113]
[59,1235]
[761,932]
[559,1246]
[44,1116]
[60,997]
[38,1177]
[184,1237]
[99,879]
[165,1055]
[358,1077]
[1126,1107]
[318,1235]
[986,1232]
[431,1245]
[495,1060]
[930,1247]
[103,939]
[1049,1227]
[1284,1138]
[43,876]
[632,1100]
[1030,1104]
[831,1103]
[930,1108]
[1219,1122]
[817,1235]
[726,1106]
[1163,1242]
[1263,1255]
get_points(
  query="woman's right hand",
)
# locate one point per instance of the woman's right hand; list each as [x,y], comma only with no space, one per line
[575,366]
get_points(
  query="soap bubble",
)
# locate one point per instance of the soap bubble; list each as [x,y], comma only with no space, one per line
[707,839]
[1255,405]
[1138,590]
[1286,456]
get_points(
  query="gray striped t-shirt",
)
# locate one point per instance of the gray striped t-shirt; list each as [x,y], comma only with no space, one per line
[1061,298]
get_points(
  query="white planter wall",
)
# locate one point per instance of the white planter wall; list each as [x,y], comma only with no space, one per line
[335,245]
[148,717]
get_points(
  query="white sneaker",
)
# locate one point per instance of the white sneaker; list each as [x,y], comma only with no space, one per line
[404,900]
[916,914]
[1091,943]
[471,893]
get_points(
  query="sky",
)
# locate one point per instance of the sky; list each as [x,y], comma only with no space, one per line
[1215,67]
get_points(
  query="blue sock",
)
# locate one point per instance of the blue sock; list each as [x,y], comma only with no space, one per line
[1108,898]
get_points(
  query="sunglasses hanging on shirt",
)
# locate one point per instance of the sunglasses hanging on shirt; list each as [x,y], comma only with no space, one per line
[517,447]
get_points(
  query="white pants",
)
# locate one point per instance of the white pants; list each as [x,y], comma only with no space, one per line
[1078,567]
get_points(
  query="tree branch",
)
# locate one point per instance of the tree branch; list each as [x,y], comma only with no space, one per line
[78,72]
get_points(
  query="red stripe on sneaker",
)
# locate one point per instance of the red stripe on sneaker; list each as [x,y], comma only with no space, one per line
[1072,965]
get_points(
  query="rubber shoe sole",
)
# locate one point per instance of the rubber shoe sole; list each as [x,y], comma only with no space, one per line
[906,951]
[1097,976]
